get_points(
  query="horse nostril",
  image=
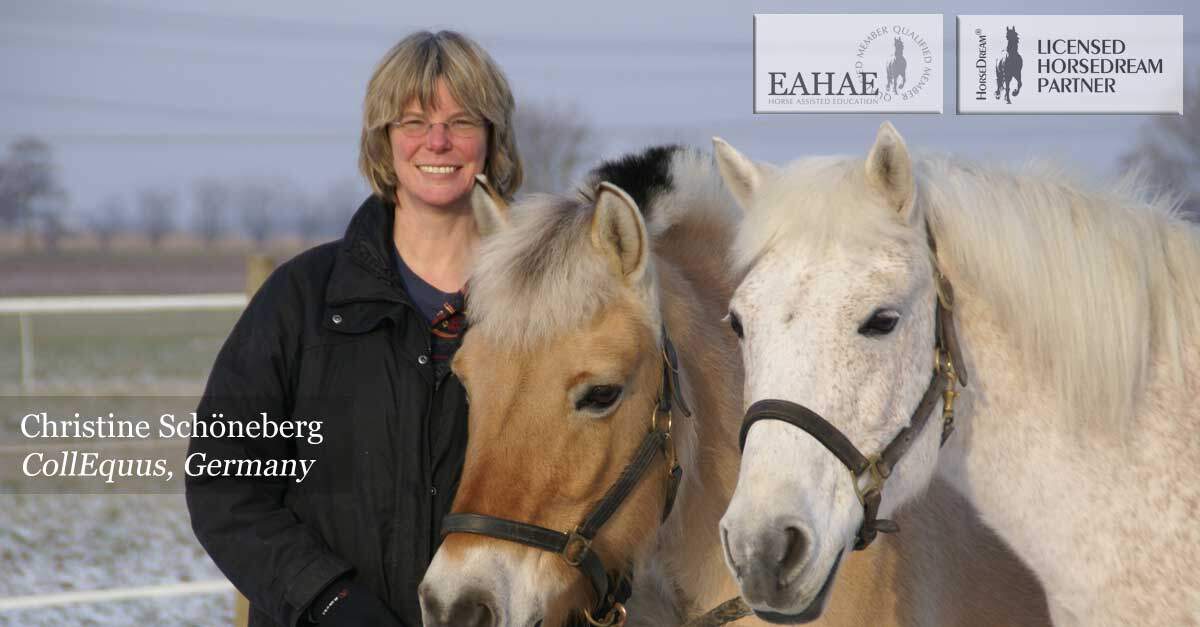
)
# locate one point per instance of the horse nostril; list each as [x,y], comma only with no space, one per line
[737,571]
[795,550]
[471,613]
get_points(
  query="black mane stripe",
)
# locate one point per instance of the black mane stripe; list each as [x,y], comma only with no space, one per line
[644,175]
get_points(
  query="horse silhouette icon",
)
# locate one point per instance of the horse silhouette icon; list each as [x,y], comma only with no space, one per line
[896,77]
[1008,67]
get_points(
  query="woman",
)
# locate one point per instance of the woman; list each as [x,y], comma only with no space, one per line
[358,334]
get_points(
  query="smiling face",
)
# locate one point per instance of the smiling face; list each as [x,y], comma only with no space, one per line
[437,169]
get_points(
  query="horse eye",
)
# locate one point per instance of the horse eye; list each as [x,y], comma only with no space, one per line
[881,323]
[735,323]
[599,397]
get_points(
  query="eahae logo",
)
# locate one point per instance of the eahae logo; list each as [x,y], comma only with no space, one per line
[847,63]
[1070,64]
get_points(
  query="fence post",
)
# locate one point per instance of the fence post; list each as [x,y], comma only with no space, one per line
[258,268]
[27,364]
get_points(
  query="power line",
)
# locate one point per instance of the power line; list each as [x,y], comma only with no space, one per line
[104,104]
[255,27]
[158,139]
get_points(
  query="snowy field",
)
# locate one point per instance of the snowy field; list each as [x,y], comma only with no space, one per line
[62,542]
[78,539]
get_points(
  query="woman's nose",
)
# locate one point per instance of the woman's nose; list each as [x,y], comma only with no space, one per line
[438,137]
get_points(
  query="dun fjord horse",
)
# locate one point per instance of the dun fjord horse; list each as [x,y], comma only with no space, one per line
[875,290]
[602,384]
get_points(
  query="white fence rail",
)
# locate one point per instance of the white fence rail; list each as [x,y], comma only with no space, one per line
[24,308]
[190,588]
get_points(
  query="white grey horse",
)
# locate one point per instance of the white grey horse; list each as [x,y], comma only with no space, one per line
[1077,315]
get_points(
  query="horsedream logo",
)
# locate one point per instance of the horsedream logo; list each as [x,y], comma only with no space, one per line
[1070,64]
[847,63]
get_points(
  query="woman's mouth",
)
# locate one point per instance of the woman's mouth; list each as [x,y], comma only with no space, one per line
[438,169]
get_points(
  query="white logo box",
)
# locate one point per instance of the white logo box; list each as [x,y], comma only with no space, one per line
[1071,64]
[843,63]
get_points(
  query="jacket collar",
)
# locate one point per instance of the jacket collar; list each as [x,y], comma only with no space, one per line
[364,286]
[363,269]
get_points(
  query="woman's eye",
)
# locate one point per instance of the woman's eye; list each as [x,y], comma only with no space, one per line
[465,124]
[599,397]
[735,323]
[880,323]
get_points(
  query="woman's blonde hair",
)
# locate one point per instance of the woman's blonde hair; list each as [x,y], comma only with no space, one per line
[410,70]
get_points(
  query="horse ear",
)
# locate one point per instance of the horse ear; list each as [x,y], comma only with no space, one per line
[889,168]
[491,212]
[619,232]
[742,176]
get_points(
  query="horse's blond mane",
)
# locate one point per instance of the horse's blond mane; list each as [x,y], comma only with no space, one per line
[543,276]
[1092,285]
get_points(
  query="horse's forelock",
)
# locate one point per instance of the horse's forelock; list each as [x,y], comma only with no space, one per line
[540,276]
[818,202]
[543,276]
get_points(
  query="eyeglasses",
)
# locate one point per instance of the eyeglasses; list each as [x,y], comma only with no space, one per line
[462,128]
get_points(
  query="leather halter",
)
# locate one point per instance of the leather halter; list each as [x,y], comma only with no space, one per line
[948,371]
[575,546]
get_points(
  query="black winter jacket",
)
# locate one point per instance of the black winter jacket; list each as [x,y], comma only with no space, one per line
[331,335]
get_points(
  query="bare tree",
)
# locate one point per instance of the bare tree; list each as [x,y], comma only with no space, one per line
[310,217]
[158,214]
[210,197]
[54,228]
[340,202]
[1168,151]
[255,200]
[108,221]
[555,143]
[28,178]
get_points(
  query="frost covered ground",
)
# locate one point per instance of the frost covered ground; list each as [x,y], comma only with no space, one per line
[61,542]
[81,540]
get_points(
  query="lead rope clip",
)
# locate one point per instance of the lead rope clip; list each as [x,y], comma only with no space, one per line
[616,617]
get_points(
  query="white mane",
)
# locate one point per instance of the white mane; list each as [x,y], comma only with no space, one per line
[1091,285]
[543,276]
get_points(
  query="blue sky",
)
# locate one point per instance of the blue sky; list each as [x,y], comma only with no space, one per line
[136,93]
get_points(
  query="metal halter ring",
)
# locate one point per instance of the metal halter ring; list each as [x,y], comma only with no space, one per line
[616,617]
[576,548]
[654,419]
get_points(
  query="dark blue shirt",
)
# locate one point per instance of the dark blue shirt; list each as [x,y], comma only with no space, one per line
[444,311]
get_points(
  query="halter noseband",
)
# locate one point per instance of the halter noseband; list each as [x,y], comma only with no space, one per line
[575,546]
[948,371]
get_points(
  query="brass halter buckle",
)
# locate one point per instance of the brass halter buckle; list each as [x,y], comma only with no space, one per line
[946,364]
[576,548]
[616,617]
[874,480]
[656,419]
